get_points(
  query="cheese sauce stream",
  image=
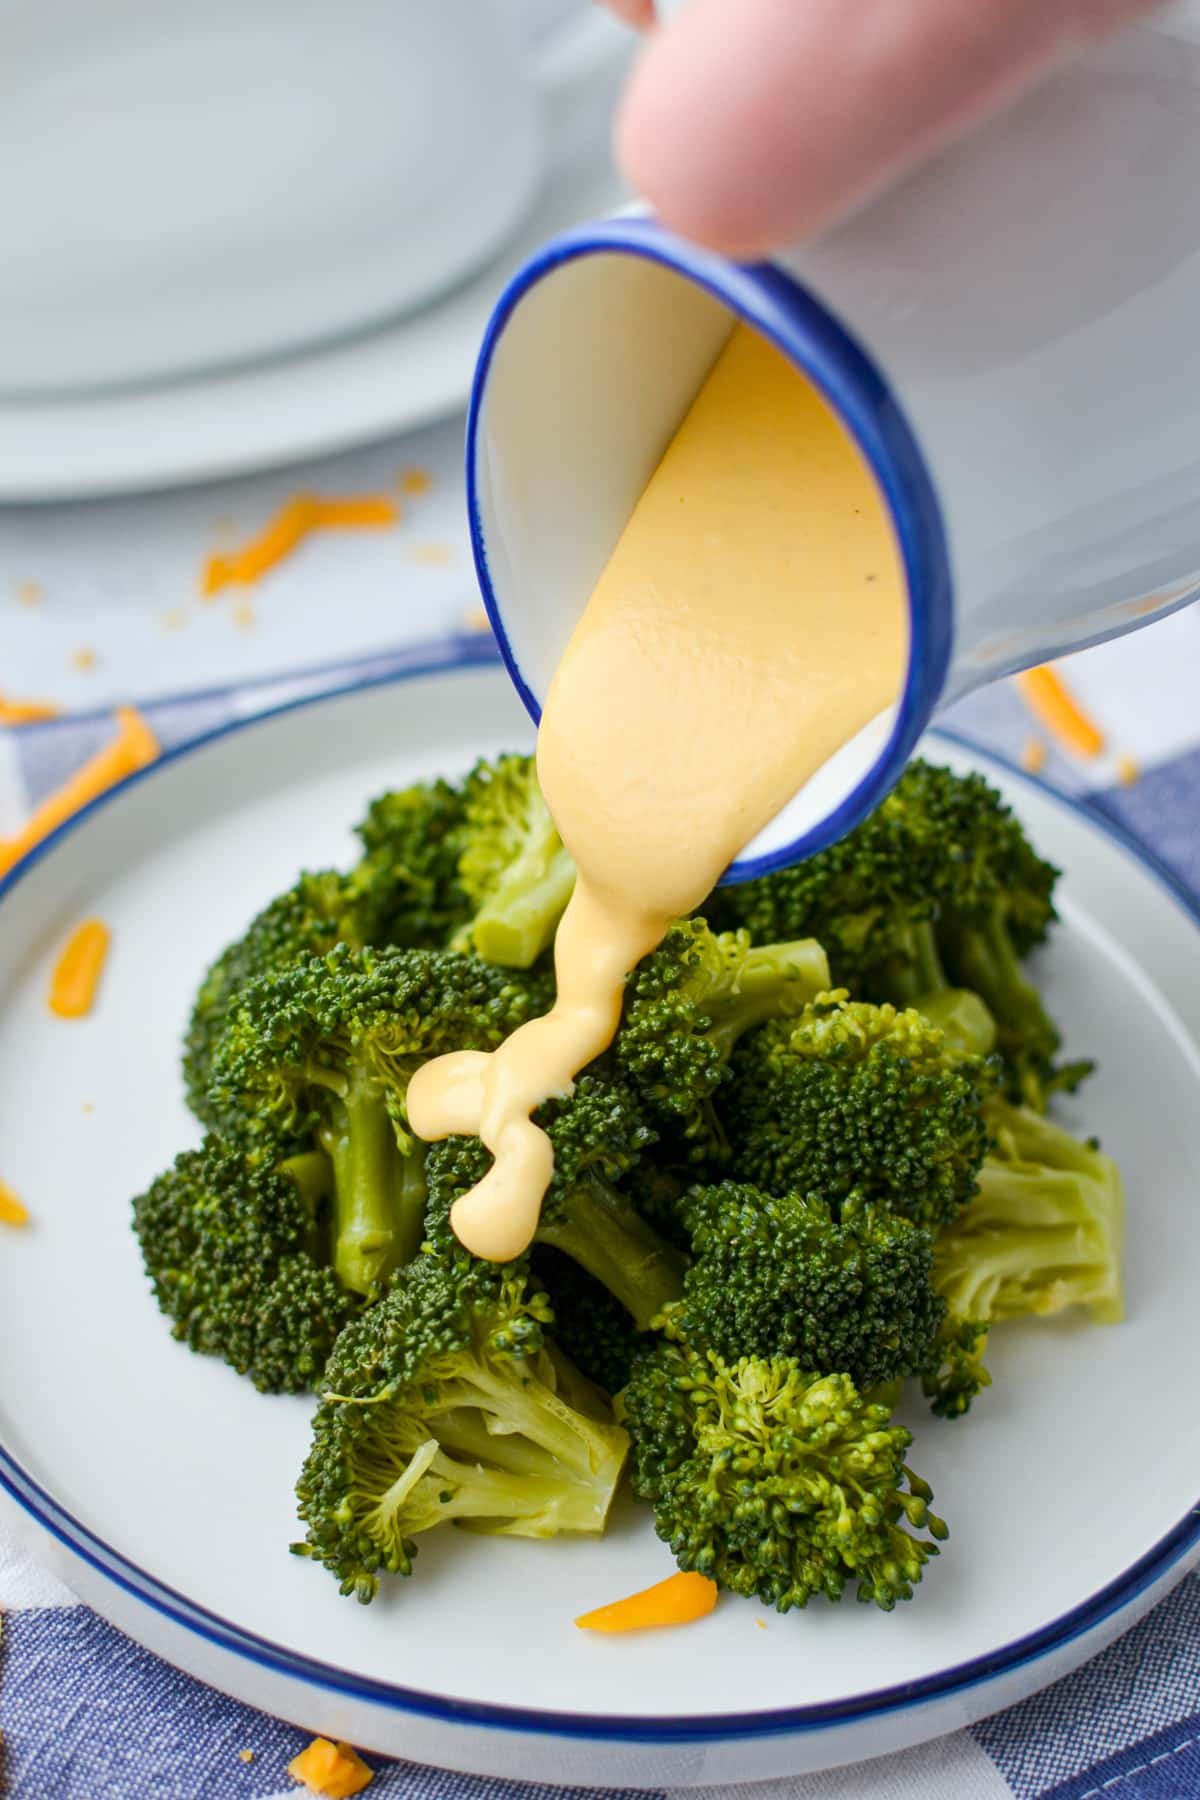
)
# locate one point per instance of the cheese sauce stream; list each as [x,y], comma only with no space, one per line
[750,621]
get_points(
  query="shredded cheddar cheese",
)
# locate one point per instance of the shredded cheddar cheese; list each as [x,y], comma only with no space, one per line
[1048,698]
[30,593]
[12,1212]
[246,1756]
[1128,772]
[78,970]
[83,659]
[301,515]
[134,746]
[678,1600]
[333,1770]
[1033,756]
[26,712]
[416,481]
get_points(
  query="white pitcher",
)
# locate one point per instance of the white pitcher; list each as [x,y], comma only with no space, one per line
[1012,336]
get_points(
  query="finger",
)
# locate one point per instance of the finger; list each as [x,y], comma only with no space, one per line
[752,126]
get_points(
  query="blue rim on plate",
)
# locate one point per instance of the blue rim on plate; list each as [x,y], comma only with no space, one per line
[809,336]
[1169,1555]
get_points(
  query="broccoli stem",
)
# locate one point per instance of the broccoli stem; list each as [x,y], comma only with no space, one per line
[986,961]
[915,976]
[774,981]
[311,1173]
[915,971]
[380,1194]
[519,920]
[602,1231]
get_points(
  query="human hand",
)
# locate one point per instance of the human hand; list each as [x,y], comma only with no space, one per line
[753,123]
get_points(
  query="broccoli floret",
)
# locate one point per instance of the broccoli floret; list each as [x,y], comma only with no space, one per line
[686,1006]
[776,1482]
[1043,1233]
[598,1134]
[513,868]
[781,1275]
[305,921]
[939,885]
[406,889]
[591,1328]
[858,1099]
[325,1050]
[236,1244]
[443,1404]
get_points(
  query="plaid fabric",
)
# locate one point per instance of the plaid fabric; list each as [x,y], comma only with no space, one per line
[87,1715]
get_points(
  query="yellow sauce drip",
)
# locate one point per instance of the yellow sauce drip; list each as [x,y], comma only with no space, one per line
[750,621]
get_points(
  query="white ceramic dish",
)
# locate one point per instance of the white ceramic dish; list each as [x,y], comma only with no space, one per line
[353,390]
[159,1484]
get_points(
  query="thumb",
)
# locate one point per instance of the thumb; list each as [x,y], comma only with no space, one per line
[752,123]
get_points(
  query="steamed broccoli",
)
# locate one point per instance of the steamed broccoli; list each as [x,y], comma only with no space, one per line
[781,1275]
[852,1098]
[686,1006]
[405,890]
[444,1403]
[513,868]
[598,1134]
[938,885]
[1043,1233]
[307,920]
[237,1245]
[774,1481]
[591,1327]
[324,1050]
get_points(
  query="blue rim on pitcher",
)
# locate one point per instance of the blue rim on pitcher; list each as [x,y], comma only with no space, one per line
[824,351]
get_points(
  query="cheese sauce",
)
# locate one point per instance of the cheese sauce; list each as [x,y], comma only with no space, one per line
[750,621]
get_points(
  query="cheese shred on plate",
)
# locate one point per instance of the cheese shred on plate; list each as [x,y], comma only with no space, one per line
[78,970]
[303,514]
[334,1770]
[12,1212]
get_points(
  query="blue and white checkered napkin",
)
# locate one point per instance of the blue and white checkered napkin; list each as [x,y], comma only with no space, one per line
[87,1715]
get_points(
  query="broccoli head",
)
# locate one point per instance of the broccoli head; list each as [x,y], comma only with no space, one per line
[776,1482]
[852,1098]
[405,889]
[305,921]
[780,1275]
[1043,1233]
[444,1404]
[236,1244]
[597,1133]
[686,1006]
[939,885]
[513,868]
[324,1050]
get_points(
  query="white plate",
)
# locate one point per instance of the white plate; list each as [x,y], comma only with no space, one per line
[350,391]
[160,1483]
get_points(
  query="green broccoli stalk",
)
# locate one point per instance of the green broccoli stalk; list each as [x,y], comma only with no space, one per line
[598,1134]
[857,1099]
[444,1405]
[1043,1233]
[236,1244]
[513,868]
[324,1050]
[776,1482]
[782,1276]
[591,1327]
[688,1003]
